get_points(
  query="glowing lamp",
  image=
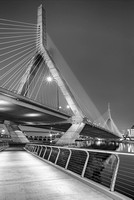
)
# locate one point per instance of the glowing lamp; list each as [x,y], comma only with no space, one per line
[49,79]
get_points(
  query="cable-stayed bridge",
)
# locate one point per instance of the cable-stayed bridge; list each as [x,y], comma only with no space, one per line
[38,89]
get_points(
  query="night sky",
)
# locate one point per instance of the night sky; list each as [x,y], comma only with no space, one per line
[96,38]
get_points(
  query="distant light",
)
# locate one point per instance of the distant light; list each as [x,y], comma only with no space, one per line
[68,106]
[60,107]
[49,79]
[3,131]
[5,108]
[98,143]
[2,102]
[5,105]
[31,123]
[32,114]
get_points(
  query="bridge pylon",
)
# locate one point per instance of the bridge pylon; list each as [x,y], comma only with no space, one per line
[41,51]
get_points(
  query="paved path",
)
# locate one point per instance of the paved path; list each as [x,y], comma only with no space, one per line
[25,177]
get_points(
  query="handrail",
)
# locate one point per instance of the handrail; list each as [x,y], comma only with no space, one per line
[113,181]
[102,167]
[85,165]
[81,149]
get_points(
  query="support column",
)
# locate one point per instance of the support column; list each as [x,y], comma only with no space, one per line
[14,131]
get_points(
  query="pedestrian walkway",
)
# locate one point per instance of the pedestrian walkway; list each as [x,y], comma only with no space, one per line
[25,177]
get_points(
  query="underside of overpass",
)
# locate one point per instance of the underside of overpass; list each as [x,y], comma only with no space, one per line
[89,130]
[23,111]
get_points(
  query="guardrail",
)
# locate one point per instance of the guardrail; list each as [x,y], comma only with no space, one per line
[102,167]
[3,145]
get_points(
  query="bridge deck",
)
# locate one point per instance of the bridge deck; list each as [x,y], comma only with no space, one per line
[24,177]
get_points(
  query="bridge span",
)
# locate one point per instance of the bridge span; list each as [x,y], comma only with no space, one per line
[23,111]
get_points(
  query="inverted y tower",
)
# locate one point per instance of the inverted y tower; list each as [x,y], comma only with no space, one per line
[41,47]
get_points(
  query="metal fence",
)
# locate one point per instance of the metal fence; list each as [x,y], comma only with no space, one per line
[103,167]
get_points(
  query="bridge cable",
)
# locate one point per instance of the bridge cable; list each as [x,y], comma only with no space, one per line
[7,33]
[18,82]
[31,73]
[17,29]
[16,49]
[26,64]
[36,81]
[17,36]
[49,101]
[15,55]
[18,25]
[14,45]
[15,60]
[39,86]
[12,41]
[12,75]
[17,79]
[15,66]
[19,22]
[18,71]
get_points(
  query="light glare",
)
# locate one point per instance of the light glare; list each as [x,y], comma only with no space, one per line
[49,79]
[2,102]
[32,114]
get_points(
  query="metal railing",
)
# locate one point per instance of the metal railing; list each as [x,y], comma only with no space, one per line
[102,167]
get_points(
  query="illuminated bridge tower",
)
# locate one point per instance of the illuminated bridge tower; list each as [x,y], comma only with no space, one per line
[109,124]
[42,52]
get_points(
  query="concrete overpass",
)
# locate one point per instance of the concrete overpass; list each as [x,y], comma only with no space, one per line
[23,111]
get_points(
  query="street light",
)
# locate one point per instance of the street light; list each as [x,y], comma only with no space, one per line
[49,79]
[68,106]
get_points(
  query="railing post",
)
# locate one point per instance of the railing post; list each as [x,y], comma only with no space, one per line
[34,148]
[50,153]
[68,158]
[44,151]
[85,165]
[114,175]
[29,148]
[40,151]
[57,156]
[37,149]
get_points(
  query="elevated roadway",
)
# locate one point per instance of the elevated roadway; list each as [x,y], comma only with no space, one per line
[23,111]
